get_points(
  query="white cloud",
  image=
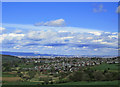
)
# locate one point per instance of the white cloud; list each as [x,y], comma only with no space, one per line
[38,35]
[18,31]
[100,40]
[11,37]
[1,28]
[66,37]
[48,46]
[17,47]
[46,28]
[1,38]
[113,36]
[85,47]
[95,49]
[55,23]
[96,33]
[99,8]
[89,37]
[15,35]
[60,40]
[62,31]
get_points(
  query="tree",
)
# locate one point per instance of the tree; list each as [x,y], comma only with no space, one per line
[108,76]
[98,76]
[79,76]
[31,74]
[85,77]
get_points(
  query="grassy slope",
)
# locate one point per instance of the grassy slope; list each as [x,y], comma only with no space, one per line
[6,58]
[106,66]
[26,66]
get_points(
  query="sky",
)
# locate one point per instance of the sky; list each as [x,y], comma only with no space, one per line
[70,28]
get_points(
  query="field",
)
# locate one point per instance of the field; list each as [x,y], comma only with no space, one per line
[69,83]
[106,66]
[26,66]
[91,83]
[11,79]
[21,83]
[8,74]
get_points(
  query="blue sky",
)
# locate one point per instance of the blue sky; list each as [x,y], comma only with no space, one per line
[60,28]
[75,14]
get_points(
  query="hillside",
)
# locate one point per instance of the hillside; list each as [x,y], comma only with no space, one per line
[6,58]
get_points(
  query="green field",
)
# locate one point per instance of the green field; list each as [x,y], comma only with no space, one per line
[91,83]
[105,66]
[69,83]
[26,66]
[8,58]
[5,74]
[21,83]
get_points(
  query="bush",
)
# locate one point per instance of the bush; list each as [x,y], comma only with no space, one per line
[115,75]
[63,81]
[109,77]
[63,75]
[51,82]
[45,79]
[99,76]
[31,74]
[79,76]
[85,77]
[42,83]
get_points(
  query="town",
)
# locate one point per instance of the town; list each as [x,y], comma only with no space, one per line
[62,64]
[58,70]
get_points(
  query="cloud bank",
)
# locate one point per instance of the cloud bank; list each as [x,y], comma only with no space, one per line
[58,40]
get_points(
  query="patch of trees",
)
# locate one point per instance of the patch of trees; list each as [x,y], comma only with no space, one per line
[93,75]
[63,75]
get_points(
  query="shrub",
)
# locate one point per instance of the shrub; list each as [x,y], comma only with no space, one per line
[51,82]
[99,76]
[108,76]
[79,76]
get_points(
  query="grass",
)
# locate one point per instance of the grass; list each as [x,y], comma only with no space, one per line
[91,83]
[21,83]
[105,66]
[26,66]
[8,58]
[8,75]
[69,83]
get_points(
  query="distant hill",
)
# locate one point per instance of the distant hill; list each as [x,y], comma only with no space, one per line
[28,54]
[52,55]
[6,58]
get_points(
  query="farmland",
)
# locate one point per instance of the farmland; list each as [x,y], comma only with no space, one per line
[107,66]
